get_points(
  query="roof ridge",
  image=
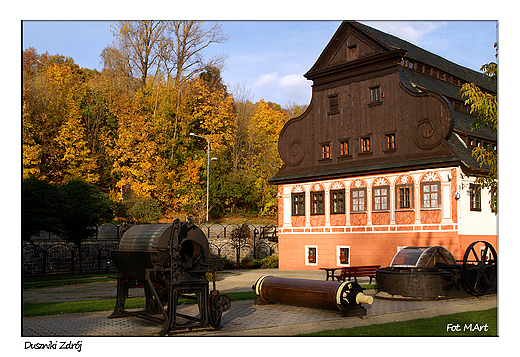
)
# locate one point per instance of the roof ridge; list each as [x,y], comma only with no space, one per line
[422,55]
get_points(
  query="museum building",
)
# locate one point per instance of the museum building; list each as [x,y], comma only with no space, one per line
[381,159]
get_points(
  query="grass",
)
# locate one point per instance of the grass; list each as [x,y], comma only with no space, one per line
[75,307]
[53,281]
[436,326]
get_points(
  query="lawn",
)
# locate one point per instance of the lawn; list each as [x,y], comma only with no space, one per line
[75,307]
[471,323]
[52,281]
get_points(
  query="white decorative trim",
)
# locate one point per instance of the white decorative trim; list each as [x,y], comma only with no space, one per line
[431,176]
[337,185]
[381,182]
[298,189]
[404,179]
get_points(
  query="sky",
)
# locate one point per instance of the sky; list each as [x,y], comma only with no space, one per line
[269,58]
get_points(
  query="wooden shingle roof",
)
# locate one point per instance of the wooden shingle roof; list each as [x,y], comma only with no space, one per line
[421,55]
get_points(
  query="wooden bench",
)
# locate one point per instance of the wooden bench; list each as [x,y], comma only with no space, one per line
[357,271]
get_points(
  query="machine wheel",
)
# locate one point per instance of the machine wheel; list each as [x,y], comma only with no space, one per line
[479,269]
[218,304]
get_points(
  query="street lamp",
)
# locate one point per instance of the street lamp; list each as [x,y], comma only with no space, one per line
[207,171]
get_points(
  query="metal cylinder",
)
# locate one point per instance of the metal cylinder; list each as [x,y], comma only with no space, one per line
[327,295]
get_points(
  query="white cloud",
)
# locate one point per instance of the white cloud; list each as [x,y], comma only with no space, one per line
[291,87]
[266,79]
[410,31]
[292,80]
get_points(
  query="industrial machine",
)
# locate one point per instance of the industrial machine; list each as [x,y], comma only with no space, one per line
[170,261]
[433,273]
[346,297]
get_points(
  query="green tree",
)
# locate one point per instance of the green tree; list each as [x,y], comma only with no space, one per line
[40,207]
[484,105]
[82,208]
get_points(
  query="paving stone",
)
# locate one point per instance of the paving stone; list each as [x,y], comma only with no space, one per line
[243,316]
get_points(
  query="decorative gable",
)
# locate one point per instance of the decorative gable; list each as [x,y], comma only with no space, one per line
[363,114]
[348,44]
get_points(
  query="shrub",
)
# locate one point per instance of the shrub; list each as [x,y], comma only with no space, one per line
[146,210]
[228,263]
[269,262]
[255,264]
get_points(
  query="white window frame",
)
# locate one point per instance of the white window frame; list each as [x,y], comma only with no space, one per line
[307,255]
[437,192]
[338,252]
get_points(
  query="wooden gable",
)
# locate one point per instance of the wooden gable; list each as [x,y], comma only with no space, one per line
[348,44]
[346,132]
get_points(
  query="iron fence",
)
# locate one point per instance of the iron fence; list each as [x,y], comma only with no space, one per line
[48,254]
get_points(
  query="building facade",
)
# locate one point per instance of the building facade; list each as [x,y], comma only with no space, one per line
[381,159]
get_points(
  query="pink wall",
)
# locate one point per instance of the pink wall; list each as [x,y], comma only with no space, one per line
[367,248]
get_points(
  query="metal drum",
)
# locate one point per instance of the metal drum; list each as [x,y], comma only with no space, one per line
[346,297]
[170,261]
[433,273]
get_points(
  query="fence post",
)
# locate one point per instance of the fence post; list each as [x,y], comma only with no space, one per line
[44,267]
[99,260]
[255,232]
[71,261]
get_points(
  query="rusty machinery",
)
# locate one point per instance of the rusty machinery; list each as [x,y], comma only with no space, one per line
[170,261]
[433,272]
[346,297]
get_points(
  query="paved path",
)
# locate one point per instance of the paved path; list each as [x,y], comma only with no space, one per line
[246,319]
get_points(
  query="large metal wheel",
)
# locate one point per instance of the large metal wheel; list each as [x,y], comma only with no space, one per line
[479,269]
[218,304]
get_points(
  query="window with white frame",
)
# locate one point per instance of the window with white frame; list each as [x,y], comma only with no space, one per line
[311,255]
[358,199]
[431,195]
[343,255]
[381,195]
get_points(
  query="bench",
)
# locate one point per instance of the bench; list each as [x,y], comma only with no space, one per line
[357,271]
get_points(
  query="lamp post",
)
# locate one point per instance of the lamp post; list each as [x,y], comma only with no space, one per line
[207,172]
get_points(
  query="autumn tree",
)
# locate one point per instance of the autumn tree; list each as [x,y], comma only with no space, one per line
[135,151]
[184,53]
[242,144]
[143,44]
[484,105]
[294,110]
[55,144]
[268,123]
[171,47]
